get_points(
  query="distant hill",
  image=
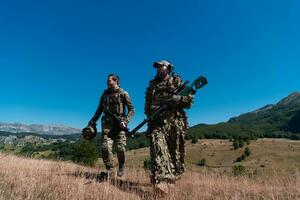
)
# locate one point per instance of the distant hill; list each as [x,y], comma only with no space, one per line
[278,115]
[75,136]
[38,128]
[274,120]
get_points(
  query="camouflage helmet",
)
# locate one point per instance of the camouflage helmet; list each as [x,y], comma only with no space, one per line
[161,63]
[89,132]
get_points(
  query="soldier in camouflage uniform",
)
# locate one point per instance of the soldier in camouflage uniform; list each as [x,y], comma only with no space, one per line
[166,132]
[115,100]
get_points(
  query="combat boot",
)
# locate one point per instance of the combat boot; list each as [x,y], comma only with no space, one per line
[121,170]
[162,188]
[110,174]
[105,176]
[102,177]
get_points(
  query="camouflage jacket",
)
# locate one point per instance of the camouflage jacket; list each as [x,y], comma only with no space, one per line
[116,102]
[159,92]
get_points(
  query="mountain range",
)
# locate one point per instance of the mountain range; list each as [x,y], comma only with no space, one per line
[273,120]
[284,115]
[38,128]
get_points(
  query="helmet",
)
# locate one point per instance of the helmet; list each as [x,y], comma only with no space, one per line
[161,63]
[89,132]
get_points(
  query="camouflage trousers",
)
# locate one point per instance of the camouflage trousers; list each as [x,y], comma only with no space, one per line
[162,167]
[111,135]
[167,150]
[176,144]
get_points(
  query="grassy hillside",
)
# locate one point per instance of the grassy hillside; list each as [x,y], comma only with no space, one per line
[279,120]
[265,154]
[279,178]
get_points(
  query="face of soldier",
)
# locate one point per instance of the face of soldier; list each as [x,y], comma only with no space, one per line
[111,83]
[162,72]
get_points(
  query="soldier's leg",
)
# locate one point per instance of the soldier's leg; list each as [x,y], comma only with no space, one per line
[107,154]
[172,138]
[181,130]
[120,143]
[160,157]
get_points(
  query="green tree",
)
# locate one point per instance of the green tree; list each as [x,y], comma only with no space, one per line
[84,152]
[235,144]
[194,140]
[241,143]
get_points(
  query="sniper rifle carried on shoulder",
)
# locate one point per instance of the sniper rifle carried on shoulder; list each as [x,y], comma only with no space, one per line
[184,89]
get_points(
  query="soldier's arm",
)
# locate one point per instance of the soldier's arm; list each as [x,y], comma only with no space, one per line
[129,107]
[183,101]
[98,112]
[187,101]
[148,101]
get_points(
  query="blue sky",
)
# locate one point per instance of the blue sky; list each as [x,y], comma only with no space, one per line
[55,55]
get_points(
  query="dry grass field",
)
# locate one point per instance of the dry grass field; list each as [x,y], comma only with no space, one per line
[278,154]
[279,178]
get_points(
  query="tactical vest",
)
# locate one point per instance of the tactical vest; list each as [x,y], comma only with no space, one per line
[162,91]
[114,101]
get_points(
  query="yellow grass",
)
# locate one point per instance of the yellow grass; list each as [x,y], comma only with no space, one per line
[23,178]
[277,154]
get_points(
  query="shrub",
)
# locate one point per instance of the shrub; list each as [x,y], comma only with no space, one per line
[241,158]
[235,144]
[147,164]
[247,152]
[202,162]
[84,152]
[241,143]
[248,141]
[239,170]
[195,140]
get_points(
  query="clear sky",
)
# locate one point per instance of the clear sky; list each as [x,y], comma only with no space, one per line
[55,55]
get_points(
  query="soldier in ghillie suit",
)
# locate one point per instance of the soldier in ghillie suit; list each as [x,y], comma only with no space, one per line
[166,132]
[114,100]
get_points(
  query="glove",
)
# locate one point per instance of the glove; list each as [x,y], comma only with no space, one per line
[123,125]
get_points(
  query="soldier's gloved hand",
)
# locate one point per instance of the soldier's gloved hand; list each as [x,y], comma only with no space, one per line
[123,125]
[176,98]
